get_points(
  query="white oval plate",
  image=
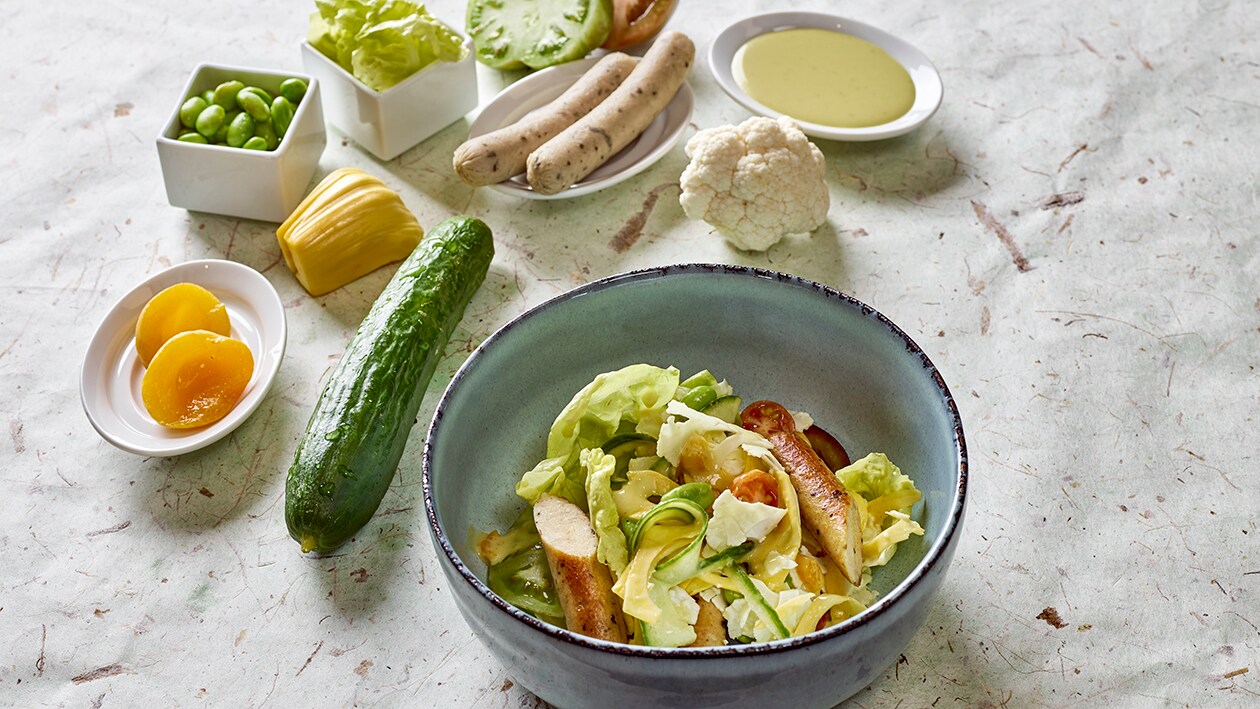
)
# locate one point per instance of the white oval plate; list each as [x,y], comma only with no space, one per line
[928,89]
[112,372]
[537,90]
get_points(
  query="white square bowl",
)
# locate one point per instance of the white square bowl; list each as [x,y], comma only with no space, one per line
[252,184]
[389,122]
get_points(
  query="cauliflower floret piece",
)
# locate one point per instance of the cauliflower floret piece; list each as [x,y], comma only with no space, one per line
[756,182]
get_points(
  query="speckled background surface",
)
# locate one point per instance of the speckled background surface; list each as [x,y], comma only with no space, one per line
[1071,238]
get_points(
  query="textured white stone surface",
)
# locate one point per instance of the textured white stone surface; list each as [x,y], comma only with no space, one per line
[1071,238]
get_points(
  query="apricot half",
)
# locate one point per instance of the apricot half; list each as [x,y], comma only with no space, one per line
[196,378]
[180,308]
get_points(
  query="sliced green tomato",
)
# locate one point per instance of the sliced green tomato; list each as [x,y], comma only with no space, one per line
[511,34]
[725,408]
[524,580]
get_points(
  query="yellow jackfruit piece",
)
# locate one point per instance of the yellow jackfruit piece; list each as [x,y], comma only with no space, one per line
[350,225]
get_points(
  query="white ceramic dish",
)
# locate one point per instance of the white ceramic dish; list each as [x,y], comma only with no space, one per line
[251,184]
[928,88]
[109,384]
[390,122]
[537,90]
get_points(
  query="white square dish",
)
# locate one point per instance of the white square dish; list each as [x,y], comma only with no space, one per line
[389,122]
[251,184]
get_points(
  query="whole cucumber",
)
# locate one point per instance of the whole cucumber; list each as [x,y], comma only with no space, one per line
[347,457]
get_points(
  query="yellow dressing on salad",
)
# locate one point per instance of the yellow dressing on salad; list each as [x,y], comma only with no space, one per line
[824,77]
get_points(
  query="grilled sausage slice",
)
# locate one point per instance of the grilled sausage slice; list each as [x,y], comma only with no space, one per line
[583,584]
[827,508]
[497,156]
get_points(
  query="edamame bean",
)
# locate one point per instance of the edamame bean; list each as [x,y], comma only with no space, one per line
[193,138]
[281,115]
[190,110]
[208,96]
[240,130]
[263,129]
[210,120]
[254,105]
[225,94]
[255,143]
[261,93]
[293,89]
[700,397]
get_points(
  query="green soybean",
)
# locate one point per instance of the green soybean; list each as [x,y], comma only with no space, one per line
[254,105]
[263,129]
[262,93]
[700,397]
[281,115]
[255,143]
[240,130]
[190,110]
[208,96]
[193,138]
[225,94]
[293,90]
[210,120]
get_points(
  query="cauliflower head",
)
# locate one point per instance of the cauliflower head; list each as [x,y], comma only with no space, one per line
[756,182]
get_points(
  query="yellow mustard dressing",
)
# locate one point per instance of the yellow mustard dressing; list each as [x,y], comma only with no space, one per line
[824,77]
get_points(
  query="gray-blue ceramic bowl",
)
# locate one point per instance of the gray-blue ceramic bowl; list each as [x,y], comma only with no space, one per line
[772,336]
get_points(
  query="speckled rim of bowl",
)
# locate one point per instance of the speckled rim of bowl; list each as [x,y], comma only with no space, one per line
[931,558]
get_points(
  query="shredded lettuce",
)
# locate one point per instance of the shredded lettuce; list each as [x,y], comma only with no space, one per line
[381,42]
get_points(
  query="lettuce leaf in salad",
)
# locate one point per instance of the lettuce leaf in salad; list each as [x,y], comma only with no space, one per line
[880,549]
[611,548]
[636,394]
[885,497]
[874,476]
[381,42]
[551,476]
[633,397]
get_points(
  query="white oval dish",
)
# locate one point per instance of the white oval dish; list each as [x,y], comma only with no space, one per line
[109,384]
[537,90]
[928,88]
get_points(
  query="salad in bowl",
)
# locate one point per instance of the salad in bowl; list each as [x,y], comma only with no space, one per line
[668,514]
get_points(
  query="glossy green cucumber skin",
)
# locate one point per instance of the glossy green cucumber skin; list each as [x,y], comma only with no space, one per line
[356,435]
